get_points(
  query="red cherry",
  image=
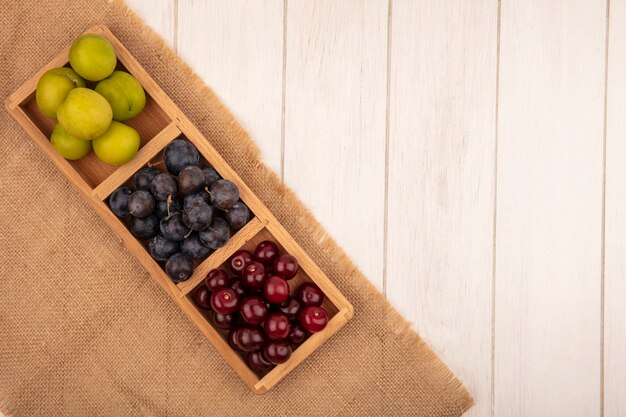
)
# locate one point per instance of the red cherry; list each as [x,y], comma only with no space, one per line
[277,326]
[297,334]
[286,266]
[235,284]
[277,352]
[291,307]
[276,289]
[309,294]
[238,260]
[225,301]
[314,319]
[253,276]
[266,252]
[249,338]
[203,297]
[223,321]
[258,363]
[216,279]
[253,310]
[232,342]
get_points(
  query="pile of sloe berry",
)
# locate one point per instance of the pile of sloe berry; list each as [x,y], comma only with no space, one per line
[185,213]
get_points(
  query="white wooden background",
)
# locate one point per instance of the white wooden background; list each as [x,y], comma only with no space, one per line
[472,164]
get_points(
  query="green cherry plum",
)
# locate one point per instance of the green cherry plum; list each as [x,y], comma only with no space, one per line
[92,57]
[124,93]
[53,87]
[117,145]
[85,114]
[67,145]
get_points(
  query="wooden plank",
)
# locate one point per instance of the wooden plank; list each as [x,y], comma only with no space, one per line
[441,180]
[335,121]
[615,226]
[160,15]
[549,209]
[237,48]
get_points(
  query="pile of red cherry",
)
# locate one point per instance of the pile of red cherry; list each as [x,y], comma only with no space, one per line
[263,320]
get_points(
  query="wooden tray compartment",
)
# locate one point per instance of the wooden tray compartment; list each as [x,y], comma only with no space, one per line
[338,311]
[161,122]
[148,123]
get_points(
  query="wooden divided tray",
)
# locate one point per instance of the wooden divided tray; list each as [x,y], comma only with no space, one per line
[159,123]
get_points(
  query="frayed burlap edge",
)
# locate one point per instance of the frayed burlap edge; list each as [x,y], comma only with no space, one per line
[325,244]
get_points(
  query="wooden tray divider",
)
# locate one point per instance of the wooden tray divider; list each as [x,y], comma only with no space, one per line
[221,255]
[145,154]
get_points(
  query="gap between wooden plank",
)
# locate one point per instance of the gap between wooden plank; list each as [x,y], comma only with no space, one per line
[283,93]
[387,115]
[614,308]
[603,232]
[495,216]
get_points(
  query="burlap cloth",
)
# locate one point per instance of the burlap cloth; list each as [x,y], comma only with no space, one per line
[84,331]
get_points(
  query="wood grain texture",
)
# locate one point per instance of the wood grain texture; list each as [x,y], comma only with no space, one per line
[335,121]
[615,223]
[160,15]
[441,180]
[237,48]
[549,209]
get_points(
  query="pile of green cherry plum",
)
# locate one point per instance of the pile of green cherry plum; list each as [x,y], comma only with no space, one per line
[263,321]
[89,101]
[185,212]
